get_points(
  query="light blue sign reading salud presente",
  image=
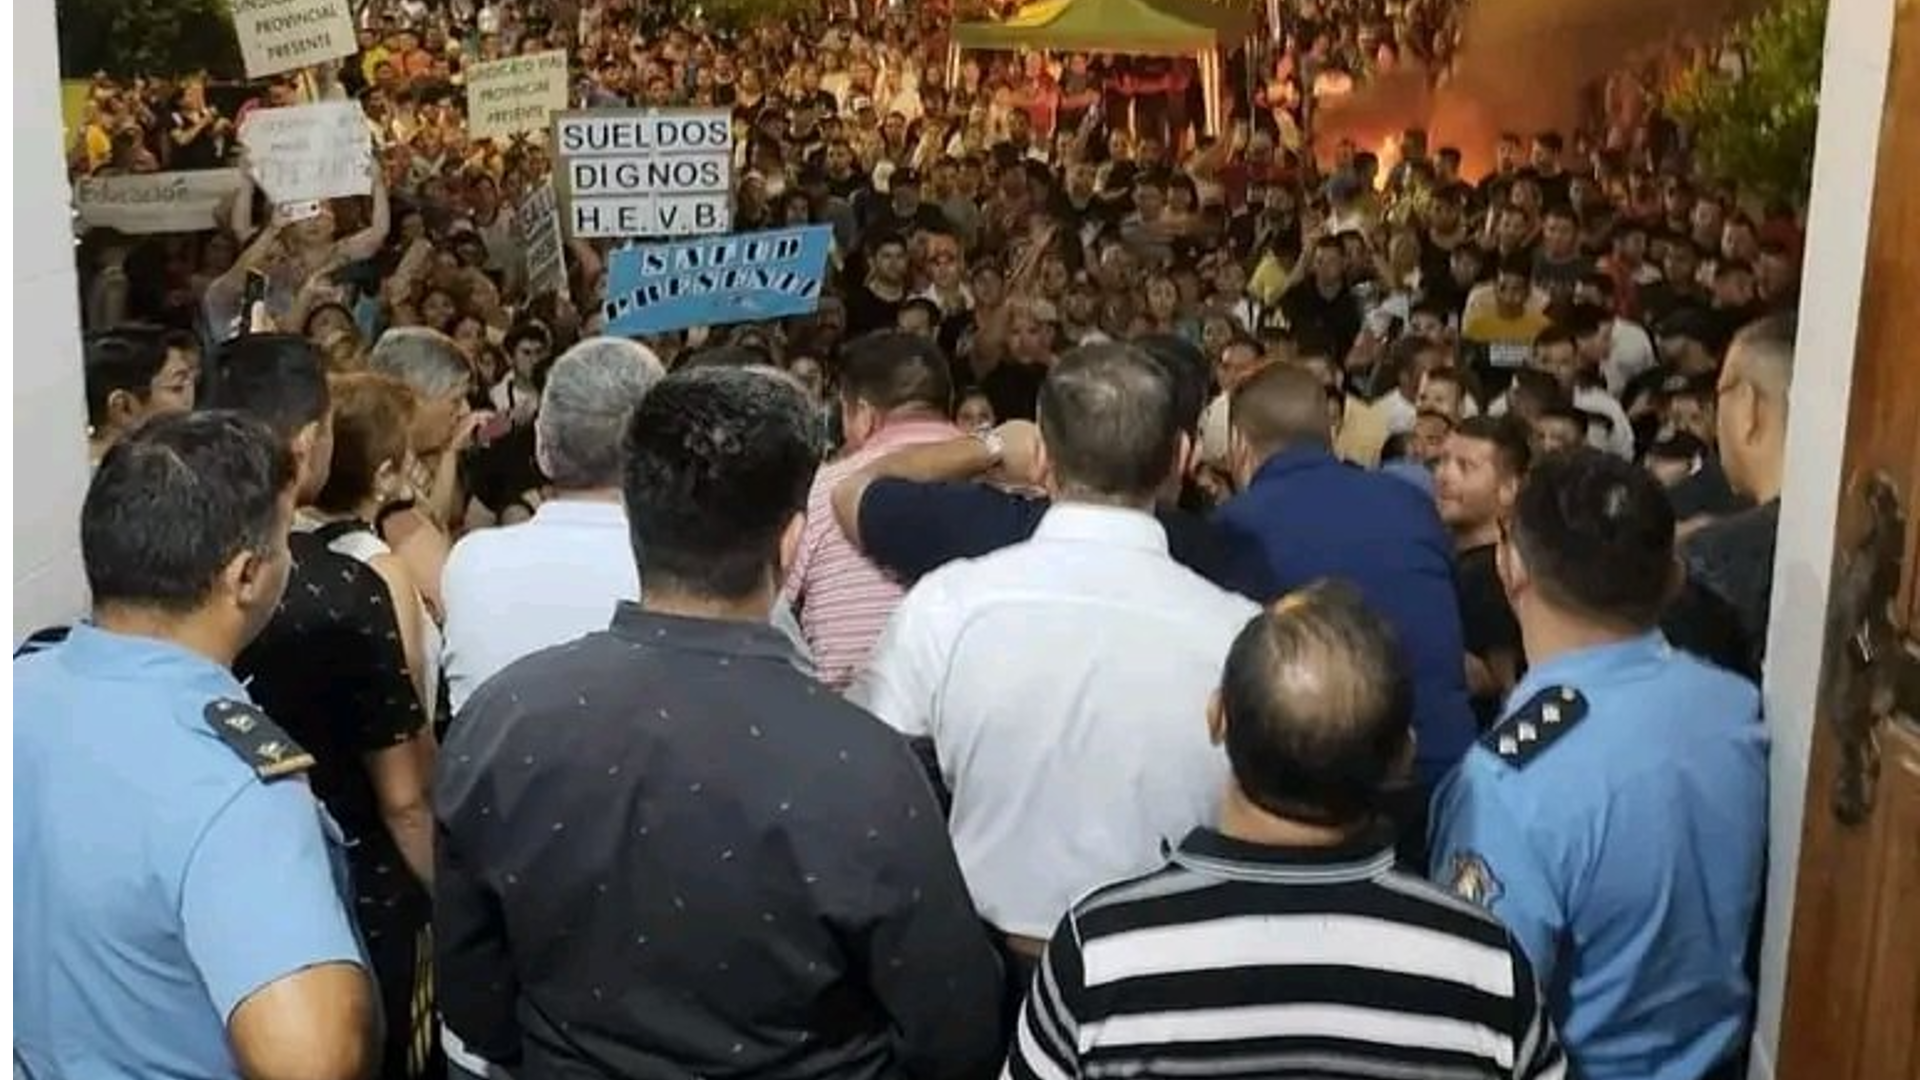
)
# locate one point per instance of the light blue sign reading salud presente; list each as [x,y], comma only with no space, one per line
[743,277]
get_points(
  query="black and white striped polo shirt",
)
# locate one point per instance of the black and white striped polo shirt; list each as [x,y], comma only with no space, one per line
[1237,960]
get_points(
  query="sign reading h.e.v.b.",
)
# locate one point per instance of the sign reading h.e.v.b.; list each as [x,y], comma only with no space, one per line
[646,173]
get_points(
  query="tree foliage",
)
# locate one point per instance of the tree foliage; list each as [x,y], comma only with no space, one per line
[1752,122]
[147,37]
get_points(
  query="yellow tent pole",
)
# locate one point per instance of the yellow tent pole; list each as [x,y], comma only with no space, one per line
[1210,89]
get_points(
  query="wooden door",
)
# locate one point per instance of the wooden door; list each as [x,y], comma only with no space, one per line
[1853,982]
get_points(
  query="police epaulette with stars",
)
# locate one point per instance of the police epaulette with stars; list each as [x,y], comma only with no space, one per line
[42,640]
[1527,732]
[270,752]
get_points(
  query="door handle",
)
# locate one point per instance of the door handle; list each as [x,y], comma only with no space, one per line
[1872,669]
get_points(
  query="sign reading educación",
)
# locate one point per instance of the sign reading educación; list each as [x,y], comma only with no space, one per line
[144,203]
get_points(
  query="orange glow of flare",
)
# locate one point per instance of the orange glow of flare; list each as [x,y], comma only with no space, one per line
[1389,156]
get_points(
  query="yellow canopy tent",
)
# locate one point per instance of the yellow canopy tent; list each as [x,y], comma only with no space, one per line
[1198,28]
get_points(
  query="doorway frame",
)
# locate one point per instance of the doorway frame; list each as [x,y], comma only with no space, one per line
[1853,87]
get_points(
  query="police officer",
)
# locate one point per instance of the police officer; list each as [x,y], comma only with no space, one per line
[178,907]
[1615,818]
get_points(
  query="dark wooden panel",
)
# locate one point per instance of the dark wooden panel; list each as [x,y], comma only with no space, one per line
[1853,995]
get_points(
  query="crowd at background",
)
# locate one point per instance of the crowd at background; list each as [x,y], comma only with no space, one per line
[1303,364]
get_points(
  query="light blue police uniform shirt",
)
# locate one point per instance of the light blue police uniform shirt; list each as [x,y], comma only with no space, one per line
[158,881]
[1624,848]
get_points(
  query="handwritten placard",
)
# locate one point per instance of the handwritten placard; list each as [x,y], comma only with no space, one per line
[744,277]
[520,93]
[537,219]
[281,35]
[306,152]
[146,203]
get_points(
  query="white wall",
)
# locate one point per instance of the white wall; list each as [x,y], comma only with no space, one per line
[49,397]
[1852,91]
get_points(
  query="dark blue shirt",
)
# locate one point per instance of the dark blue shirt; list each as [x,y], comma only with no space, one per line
[1309,515]
[912,529]
[665,851]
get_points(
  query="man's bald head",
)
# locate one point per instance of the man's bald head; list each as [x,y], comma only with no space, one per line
[1281,407]
[1316,707]
[1762,354]
[1751,421]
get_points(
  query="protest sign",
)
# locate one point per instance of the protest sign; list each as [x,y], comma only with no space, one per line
[281,35]
[538,221]
[144,203]
[520,93]
[656,288]
[654,173]
[305,152]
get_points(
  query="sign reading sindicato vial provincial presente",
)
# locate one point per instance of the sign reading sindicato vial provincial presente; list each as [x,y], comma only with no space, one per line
[631,173]
[658,288]
[519,93]
[280,35]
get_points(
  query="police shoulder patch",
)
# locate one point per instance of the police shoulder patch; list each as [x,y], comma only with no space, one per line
[1527,732]
[270,752]
[1473,880]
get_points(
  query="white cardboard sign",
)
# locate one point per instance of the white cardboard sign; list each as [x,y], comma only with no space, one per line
[281,35]
[306,152]
[519,93]
[636,173]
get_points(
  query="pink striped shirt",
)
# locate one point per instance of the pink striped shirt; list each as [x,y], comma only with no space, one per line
[845,600]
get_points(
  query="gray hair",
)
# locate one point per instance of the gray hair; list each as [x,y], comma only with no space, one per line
[426,360]
[1765,348]
[591,391]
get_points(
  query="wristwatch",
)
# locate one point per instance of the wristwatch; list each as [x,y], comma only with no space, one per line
[990,440]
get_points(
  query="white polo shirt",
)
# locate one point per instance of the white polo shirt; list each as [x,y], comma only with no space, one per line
[1064,683]
[512,591]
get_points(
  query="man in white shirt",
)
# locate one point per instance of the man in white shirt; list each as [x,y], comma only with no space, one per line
[1556,353]
[1618,349]
[1060,681]
[513,591]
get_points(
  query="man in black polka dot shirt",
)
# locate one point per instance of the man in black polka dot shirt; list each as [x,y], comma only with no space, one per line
[665,851]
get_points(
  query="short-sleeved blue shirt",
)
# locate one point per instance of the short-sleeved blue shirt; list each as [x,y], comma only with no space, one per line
[158,881]
[1625,852]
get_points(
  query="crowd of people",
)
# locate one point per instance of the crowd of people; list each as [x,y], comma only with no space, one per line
[1181,605]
